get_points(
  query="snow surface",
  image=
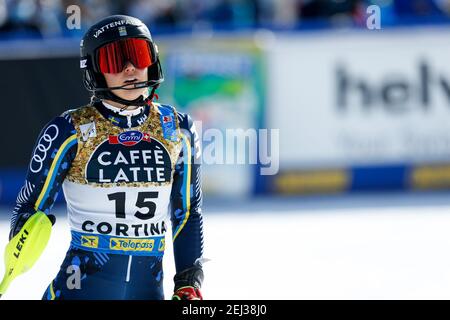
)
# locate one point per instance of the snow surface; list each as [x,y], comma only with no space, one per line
[335,251]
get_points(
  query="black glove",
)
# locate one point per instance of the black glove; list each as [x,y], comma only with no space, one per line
[188,284]
[20,221]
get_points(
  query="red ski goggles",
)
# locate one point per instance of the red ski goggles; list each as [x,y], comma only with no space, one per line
[113,57]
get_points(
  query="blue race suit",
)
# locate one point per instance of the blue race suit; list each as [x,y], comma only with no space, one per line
[121,175]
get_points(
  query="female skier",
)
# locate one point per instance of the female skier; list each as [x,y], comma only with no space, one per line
[125,163]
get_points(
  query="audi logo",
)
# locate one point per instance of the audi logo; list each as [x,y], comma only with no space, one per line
[44,144]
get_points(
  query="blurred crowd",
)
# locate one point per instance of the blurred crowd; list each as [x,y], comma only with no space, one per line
[48,17]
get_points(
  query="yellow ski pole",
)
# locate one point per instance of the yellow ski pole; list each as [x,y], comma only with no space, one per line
[25,248]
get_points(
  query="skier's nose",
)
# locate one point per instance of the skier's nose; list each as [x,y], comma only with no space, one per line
[129,68]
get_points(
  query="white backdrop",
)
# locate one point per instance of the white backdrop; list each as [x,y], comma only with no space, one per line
[325,120]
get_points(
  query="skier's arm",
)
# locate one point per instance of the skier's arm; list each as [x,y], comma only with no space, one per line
[186,214]
[53,153]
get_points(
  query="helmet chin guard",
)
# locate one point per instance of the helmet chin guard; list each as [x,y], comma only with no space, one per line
[109,30]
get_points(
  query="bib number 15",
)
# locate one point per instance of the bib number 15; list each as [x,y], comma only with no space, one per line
[143,201]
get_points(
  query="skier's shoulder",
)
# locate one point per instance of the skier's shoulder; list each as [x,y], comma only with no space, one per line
[60,123]
[184,120]
[86,110]
[63,124]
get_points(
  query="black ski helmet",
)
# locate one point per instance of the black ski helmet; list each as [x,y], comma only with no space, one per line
[108,30]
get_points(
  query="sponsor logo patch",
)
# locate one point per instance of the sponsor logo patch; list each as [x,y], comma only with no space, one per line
[112,25]
[167,119]
[122,31]
[88,130]
[162,245]
[131,244]
[129,138]
[131,156]
[168,125]
[89,241]
[44,145]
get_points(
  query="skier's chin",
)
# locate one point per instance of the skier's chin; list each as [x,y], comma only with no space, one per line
[129,95]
